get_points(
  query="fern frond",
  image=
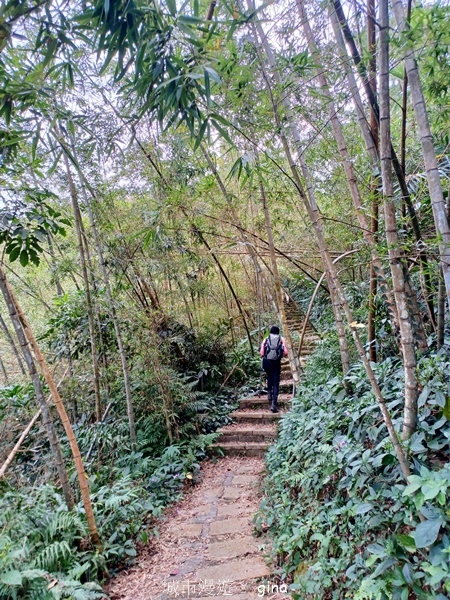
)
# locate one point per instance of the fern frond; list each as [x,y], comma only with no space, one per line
[53,557]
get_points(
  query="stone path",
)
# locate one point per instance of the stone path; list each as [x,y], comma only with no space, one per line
[206,548]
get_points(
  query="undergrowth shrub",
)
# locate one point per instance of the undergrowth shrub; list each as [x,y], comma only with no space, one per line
[343,520]
[45,552]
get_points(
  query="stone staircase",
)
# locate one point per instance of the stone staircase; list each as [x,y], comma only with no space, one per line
[295,322]
[255,426]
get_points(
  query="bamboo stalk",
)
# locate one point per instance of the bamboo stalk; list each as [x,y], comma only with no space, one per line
[84,488]
[19,442]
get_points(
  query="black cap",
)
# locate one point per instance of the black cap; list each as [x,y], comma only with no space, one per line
[274,329]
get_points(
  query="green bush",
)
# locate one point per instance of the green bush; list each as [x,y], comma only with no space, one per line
[343,520]
[45,552]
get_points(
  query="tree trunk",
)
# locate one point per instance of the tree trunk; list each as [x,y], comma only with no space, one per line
[59,289]
[373,284]
[47,419]
[229,284]
[338,20]
[115,320]
[20,319]
[309,197]
[348,167]
[398,279]
[315,221]
[87,290]
[428,152]
[17,445]
[441,312]
[2,367]
[11,342]
[294,359]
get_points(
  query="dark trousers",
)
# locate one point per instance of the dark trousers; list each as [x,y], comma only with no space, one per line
[273,372]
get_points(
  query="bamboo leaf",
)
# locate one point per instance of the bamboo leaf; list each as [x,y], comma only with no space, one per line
[200,135]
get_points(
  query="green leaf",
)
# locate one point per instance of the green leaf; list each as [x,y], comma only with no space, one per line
[11,578]
[410,489]
[384,566]
[207,89]
[446,411]
[426,533]
[222,132]
[24,258]
[214,75]
[423,396]
[363,508]
[377,549]
[200,135]
[13,255]
[406,541]
[431,489]
[35,141]
[172,6]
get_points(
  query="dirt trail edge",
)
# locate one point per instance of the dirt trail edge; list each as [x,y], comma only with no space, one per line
[206,548]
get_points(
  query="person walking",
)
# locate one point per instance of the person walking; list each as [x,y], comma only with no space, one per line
[273,348]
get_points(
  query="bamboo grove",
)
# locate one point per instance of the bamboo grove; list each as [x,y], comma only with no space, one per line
[189,161]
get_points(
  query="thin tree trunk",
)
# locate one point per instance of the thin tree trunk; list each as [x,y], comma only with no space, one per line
[115,320]
[2,367]
[293,357]
[398,279]
[20,319]
[441,312]
[230,287]
[242,231]
[188,310]
[348,168]
[309,198]
[373,284]
[338,20]
[17,445]
[11,342]
[101,353]
[315,221]
[47,419]
[87,290]
[428,152]
[59,289]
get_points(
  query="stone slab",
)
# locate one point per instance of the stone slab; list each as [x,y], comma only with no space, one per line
[245,469]
[245,479]
[234,510]
[235,525]
[188,530]
[233,548]
[235,570]
[232,493]
[213,493]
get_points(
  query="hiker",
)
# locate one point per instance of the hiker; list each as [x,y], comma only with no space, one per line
[273,348]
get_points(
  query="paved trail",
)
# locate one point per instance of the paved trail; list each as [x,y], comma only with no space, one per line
[206,549]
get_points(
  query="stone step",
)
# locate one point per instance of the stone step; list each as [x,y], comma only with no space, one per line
[286,383]
[256,417]
[246,434]
[263,401]
[256,449]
